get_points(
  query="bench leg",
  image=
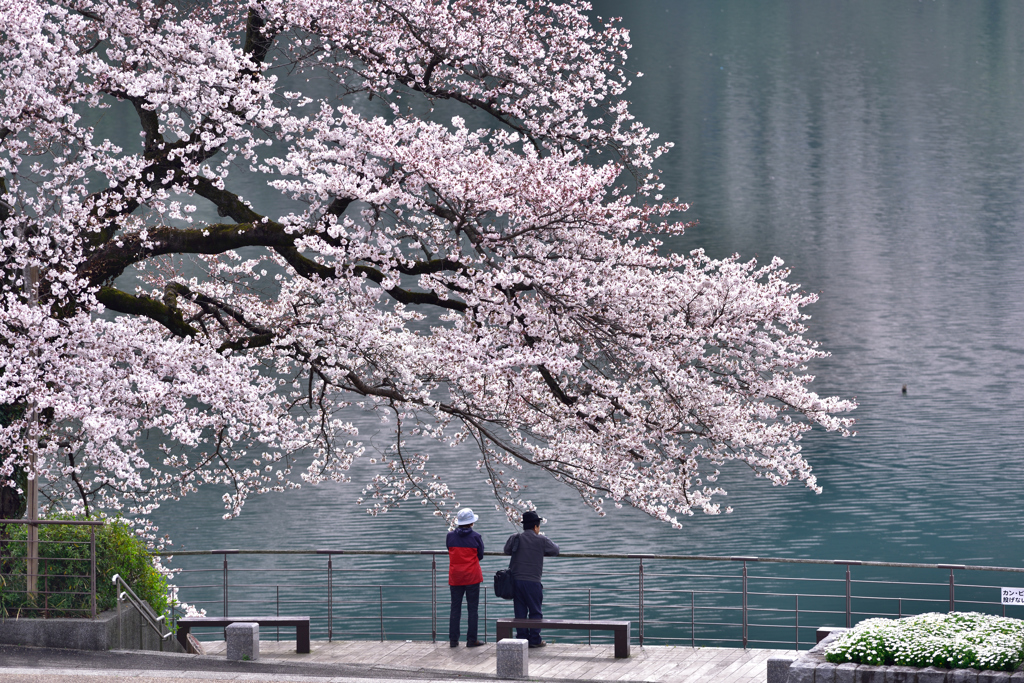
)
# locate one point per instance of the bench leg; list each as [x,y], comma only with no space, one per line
[622,643]
[502,632]
[183,636]
[302,638]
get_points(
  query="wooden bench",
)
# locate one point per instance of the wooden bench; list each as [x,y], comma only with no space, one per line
[301,624]
[621,629]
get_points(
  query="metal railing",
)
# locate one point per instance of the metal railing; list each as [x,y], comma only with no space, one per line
[58,575]
[147,615]
[672,599]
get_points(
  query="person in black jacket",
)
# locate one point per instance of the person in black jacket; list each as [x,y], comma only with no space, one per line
[528,550]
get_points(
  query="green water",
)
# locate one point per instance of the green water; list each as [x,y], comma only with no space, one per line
[877,148]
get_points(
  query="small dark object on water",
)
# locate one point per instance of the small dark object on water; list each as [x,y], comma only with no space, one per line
[904,388]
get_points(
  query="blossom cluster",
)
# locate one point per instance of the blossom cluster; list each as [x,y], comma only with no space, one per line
[493,275]
[958,640]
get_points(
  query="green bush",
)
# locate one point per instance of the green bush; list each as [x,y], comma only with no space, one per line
[959,640]
[64,556]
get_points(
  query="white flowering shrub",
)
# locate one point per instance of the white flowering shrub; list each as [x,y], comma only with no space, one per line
[952,641]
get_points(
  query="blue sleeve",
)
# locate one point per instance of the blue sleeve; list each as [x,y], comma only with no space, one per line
[550,547]
[480,549]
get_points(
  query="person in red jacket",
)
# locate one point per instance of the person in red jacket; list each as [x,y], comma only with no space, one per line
[465,550]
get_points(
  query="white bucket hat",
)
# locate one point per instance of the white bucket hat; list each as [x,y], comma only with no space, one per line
[465,517]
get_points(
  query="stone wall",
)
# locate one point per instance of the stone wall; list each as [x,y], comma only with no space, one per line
[811,667]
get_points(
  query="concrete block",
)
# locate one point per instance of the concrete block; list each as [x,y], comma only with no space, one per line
[513,658]
[778,667]
[901,674]
[932,674]
[990,676]
[846,673]
[962,676]
[243,641]
[825,673]
[871,674]
[826,639]
[802,671]
[824,631]
[1017,676]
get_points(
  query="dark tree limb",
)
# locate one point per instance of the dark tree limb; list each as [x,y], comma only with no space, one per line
[169,317]
[258,37]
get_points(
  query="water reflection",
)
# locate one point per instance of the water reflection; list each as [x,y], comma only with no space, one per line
[875,146]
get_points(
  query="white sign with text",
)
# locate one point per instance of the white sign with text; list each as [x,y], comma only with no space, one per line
[1013,596]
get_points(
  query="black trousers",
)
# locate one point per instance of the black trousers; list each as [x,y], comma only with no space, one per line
[472,593]
[527,605]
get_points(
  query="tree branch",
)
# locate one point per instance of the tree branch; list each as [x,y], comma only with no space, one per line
[171,318]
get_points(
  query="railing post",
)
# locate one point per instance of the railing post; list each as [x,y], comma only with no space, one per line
[590,613]
[32,549]
[485,617]
[225,588]
[120,621]
[952,584]
[952,600]
[692,623]
[381,589]
[849,598]
[92,569]
[433,601]
[796,619]
[744,604]
[277,607]
[641,602]
[330,600]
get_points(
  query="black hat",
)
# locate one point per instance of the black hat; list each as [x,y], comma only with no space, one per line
[530,519]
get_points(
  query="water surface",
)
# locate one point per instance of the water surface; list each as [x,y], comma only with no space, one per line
[876,146]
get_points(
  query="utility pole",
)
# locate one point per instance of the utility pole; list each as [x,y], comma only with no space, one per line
[30,282]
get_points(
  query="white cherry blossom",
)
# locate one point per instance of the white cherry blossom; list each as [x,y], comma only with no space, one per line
[495,277]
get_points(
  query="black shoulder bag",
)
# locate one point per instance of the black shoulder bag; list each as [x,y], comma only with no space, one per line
[504,580]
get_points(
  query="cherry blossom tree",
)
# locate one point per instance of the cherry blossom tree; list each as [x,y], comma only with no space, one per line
[472,247]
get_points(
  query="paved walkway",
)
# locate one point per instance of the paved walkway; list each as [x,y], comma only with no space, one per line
[557,661]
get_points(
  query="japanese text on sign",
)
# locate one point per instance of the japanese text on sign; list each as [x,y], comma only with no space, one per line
[1013,596]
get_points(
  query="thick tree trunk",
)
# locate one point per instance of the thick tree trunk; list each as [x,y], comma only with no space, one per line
[12,504]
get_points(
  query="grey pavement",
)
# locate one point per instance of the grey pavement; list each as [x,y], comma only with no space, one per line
[39,675]
[384,662]
[32,664]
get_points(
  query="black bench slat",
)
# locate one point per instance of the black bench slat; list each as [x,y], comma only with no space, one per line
[301,624]
[621,629]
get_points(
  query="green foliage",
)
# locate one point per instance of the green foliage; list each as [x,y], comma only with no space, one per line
[66,552]
[953,641]
[9,412]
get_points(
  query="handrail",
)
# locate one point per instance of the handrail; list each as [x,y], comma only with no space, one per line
[32,575]
[607,556]
[647,573]
[143,608]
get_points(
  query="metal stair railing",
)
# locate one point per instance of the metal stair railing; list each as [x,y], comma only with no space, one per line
[147,613]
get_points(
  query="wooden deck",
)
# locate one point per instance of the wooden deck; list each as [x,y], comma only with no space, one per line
[556,661]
